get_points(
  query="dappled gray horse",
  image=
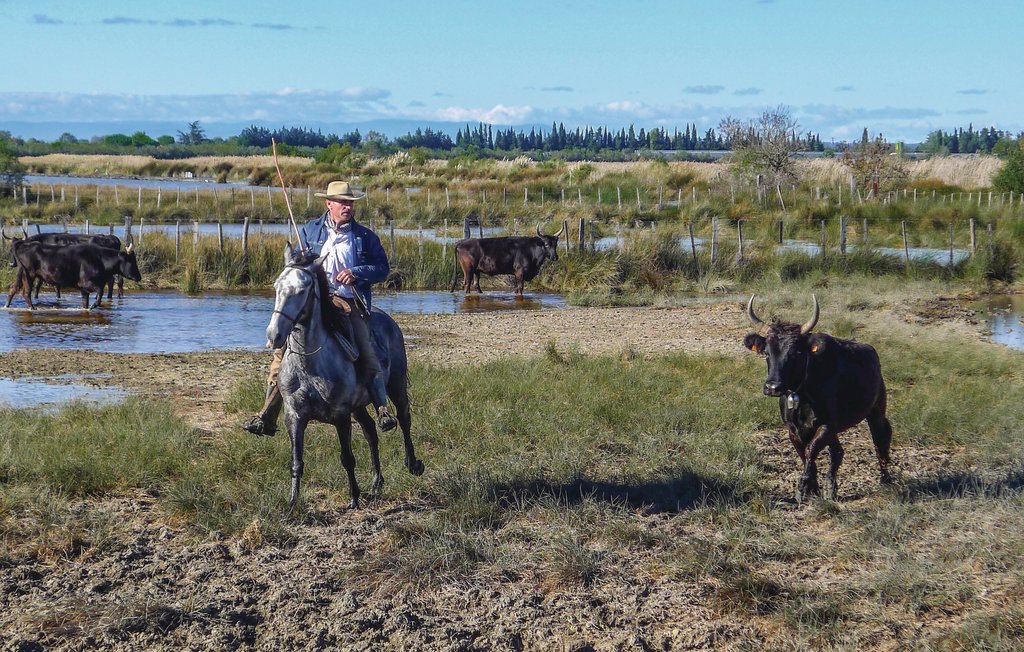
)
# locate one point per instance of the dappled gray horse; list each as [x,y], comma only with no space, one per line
[318,379]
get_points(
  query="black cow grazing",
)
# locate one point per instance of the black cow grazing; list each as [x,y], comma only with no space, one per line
[88,267]
[521,256]
[825,385]
[65,239]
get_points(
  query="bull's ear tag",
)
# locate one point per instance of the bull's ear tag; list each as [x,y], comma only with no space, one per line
[792,400]
[815,347]
[757,348]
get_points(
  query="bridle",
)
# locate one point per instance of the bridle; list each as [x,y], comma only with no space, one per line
[295,320]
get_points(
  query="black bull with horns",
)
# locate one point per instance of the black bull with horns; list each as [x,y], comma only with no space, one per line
[521,256]
[63,240]
[825,385]
[87,266]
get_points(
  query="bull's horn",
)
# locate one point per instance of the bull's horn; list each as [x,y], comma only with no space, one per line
[757,321]
[560,231]
[539,234]
[128,249]
[24,233]
[809,326]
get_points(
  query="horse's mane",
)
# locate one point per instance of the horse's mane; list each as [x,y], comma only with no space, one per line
[327,313]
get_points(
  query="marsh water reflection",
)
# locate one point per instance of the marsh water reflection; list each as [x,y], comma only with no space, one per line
[52,391]
[172,322]
[1004,318]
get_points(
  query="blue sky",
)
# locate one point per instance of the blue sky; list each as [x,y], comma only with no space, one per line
[900,67]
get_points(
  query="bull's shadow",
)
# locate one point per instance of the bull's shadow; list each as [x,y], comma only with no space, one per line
[961,484]
[666,495]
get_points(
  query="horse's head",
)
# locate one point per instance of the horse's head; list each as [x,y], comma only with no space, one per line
[295,287]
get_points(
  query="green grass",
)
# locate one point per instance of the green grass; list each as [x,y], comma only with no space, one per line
[567,471]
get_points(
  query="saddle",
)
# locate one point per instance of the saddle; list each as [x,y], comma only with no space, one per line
[340,327]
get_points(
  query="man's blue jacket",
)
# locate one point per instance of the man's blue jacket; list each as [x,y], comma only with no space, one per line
[371,260]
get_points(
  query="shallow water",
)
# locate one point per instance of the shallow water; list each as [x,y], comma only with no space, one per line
[41,184]
[50,392]
[1004,318]
[172,322]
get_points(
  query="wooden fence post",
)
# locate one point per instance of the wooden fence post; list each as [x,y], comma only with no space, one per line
[220,236]
[177,240]
[693,244]
[974,244]
[714,240]
[739,234]
[951,223]
[245,242]
[906,248]
[842,235]
[579,237]
[823,241]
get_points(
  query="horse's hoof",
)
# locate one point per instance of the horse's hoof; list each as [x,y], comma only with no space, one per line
[416,468]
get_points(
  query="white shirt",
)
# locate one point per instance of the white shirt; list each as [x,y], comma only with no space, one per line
[340,248]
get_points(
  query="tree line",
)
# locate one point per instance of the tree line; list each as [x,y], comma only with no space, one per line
[479,139]
[599,143]
[988,140]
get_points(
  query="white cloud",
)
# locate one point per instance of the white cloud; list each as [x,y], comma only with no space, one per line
[498,115]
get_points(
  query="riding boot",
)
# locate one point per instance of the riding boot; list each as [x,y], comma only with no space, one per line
[379,395]
[265,423]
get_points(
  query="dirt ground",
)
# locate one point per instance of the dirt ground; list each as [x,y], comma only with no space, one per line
[163,589]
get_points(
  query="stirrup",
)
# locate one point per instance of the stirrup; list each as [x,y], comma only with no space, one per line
[258,426]
[385,420]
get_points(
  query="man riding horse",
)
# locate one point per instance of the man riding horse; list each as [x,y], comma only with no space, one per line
[354,260]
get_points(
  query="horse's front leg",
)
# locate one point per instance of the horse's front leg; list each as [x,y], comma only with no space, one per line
[348,460]
[297,433]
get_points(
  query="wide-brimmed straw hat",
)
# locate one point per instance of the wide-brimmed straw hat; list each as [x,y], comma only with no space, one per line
[341,190]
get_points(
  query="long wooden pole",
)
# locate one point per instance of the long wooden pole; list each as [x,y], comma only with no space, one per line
[287,200]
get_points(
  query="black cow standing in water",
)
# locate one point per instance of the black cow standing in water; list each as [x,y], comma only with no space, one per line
[825,385]
[521,256]
[87,267]
[110,241]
